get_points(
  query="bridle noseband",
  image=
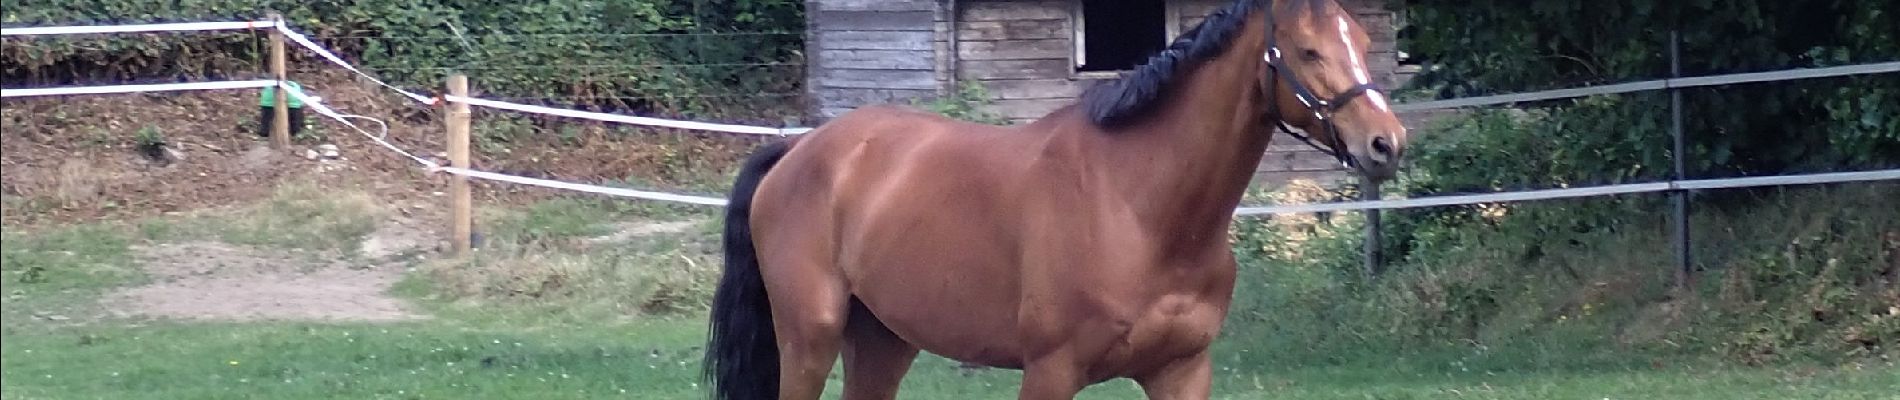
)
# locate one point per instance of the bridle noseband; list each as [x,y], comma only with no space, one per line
[1322,109]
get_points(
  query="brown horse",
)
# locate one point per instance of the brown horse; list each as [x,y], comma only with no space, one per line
[1085,246]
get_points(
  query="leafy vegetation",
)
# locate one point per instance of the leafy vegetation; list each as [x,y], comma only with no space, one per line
[1492,47]
[1784,275]
[78,257]
[966,104]
[1527,286]
[682,57]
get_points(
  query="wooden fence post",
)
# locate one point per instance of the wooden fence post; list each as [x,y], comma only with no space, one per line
[280,123]
[460,203]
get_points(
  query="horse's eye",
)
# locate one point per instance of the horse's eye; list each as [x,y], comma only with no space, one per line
[1310,54]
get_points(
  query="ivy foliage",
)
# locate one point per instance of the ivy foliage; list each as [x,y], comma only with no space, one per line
[1780,267]
[676,56]
[1493,46]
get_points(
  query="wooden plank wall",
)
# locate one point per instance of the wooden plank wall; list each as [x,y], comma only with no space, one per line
[891,51]
[862,52]
[1021,52]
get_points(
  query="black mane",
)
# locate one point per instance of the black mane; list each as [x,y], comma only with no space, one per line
[1126,100]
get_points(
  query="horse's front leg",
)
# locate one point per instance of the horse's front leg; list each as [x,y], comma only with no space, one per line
[1054,376]
[1190,377]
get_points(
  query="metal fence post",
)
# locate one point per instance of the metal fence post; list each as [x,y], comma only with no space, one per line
[1680,198]
[1373,247]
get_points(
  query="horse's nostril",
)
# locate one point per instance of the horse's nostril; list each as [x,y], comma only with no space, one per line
[1381,145]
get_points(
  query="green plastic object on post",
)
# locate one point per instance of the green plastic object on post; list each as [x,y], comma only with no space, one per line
[269,97]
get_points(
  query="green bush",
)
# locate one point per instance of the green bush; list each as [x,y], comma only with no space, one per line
[663,56]
[1490,47]
[1594,274]
[1783,274]
[966,104]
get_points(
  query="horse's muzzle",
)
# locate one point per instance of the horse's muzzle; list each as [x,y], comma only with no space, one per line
[1380,158]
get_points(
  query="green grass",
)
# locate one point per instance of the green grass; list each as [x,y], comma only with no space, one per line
[298,215]
[573,217]
[80,257]
[627,315]
[307,217]
[658,358]
[53,273]
[569,258]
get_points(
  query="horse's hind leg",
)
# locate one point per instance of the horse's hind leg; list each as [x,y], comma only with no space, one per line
[809,307]
[875,359]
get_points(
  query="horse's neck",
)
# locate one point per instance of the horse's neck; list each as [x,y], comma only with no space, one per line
[1190,165]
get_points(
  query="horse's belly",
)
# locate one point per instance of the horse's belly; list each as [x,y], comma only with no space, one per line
[954,328]
[955,301]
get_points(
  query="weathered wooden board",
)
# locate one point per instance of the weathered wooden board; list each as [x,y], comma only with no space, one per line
[945,72]
[873,21]
[873,5]
[923,60]
[1287,143]
[1015,29]
[1037,88]
[874,40]
[833,112]
[1026,108]
[854,97]
[1013,69]
[1014,10]
[1198,8]
[876,79]
[1014,49]
[1308,160]
[1270,180]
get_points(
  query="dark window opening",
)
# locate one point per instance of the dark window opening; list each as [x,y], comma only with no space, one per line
[1118,35]
[1405,33]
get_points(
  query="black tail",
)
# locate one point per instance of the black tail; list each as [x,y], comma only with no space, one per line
[742,350]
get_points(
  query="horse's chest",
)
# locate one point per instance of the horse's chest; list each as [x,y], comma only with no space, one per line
[1174,326]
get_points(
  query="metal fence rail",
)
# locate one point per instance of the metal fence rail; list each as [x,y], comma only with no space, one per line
[1660,84]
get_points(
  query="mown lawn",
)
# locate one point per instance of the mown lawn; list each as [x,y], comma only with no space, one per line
[57,341]
[656,358]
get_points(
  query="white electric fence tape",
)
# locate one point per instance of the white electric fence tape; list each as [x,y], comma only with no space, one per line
[747,129]
[157,87]
[304,41]
[171,27]
[611,191]
[315,104]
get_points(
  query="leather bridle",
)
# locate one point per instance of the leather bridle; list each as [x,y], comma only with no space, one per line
[1322,109]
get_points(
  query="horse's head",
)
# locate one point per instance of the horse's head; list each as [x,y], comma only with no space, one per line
[1314,72]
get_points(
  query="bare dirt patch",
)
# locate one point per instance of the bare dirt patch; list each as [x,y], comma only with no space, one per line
[631,230]
[218,281]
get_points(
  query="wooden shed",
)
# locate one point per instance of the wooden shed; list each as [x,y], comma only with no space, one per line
[1032,56]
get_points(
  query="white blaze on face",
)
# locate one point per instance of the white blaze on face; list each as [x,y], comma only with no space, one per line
[1359,73]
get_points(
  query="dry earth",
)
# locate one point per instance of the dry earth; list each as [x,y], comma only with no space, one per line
[213,281]
[218,281]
